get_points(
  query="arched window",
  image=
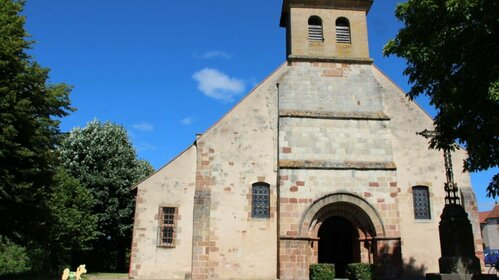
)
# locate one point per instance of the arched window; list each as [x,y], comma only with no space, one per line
[343,31]
[315,29]
[260,202]
[421,199]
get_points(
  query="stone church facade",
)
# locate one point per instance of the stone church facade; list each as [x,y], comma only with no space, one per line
[319,163]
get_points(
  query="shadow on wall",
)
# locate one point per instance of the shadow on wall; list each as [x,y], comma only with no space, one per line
[391,266]
[413,272]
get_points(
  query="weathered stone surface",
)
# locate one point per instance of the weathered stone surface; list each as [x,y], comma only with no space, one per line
[334,115]
[325,164]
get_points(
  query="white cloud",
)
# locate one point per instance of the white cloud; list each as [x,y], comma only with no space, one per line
[218,85]
[215,53]
[143,126]
[187,121]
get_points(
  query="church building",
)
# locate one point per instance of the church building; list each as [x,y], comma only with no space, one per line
[320,163]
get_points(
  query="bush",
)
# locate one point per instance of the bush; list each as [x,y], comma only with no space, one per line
[322,271]
[13,258]
[360,271]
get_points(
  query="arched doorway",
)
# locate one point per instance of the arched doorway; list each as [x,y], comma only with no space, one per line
[338,243]
[354,216]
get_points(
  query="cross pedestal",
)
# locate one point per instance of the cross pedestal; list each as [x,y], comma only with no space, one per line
[457,242]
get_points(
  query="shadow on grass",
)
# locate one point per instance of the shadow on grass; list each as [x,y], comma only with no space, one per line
[38,276]
[30,276]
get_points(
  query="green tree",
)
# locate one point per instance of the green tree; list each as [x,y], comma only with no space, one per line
[73,226]
[103,159]
[30,110]
[452,53]
[13,258]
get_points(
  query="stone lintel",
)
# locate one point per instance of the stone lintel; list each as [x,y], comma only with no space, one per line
[332,165]
[378,116]
[335,59]
[381,239]
[299,238]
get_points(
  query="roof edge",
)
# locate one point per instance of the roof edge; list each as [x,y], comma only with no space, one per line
[358,5]
[162,167]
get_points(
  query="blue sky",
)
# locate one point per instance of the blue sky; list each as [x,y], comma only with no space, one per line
[168,69]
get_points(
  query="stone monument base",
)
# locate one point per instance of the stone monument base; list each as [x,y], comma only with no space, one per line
[441,276]
[455,265]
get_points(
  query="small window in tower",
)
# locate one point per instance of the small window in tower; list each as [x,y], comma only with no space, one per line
[315,29]
[260,200]
[343,31]
[421,200]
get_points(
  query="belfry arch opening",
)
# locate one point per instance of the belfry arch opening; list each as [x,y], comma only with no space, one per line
[315,32]
[343,31]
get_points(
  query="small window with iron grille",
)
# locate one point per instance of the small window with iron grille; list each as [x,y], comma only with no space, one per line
[421,198]
[167,226]
[260,200]
[343,31]
[315,29]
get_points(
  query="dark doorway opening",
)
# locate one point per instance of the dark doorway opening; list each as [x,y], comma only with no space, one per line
[338,244]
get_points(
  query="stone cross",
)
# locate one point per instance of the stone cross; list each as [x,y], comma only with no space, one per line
[450,186]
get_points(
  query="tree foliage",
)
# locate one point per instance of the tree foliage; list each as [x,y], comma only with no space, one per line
[30,109]
[452,53]
[102,157]
[73,225]
[13,258]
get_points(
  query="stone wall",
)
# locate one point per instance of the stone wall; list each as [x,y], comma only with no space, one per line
[334,139]
[491,232]
[171,186]
[235,153]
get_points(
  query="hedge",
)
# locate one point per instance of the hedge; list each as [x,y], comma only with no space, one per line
[322,271]
[360,271]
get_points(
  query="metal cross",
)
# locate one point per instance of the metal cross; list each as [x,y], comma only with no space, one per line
[450,185]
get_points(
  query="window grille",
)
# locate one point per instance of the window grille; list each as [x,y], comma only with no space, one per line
[421,199]
[260,200]
[315,29]
[343,31]
[167,226]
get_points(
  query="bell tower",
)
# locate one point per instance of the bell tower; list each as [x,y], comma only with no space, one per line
[326,29]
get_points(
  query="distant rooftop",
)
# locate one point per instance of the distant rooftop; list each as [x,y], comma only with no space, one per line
[493,214]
